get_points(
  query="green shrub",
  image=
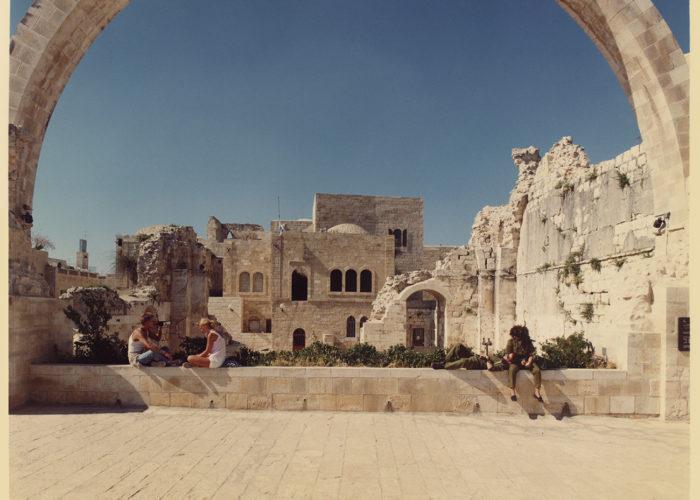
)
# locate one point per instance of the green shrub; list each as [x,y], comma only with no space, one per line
[404,357]
[596,265]
[574,351]
[619,262]
[318,354]
[572,268]
[363,354]
[95,345]
[592,175]
[587,311]
[544,267]
[623,180]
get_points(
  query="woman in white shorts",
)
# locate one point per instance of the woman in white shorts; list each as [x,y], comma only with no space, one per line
[214,354]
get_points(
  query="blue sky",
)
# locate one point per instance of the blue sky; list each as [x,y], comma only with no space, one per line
[179,112]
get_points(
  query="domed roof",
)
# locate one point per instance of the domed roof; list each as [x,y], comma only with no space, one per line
[347,229]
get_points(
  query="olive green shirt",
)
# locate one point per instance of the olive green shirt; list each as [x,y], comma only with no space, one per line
[518,348]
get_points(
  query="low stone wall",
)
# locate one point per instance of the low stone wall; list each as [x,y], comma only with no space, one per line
[38,329]
[595,392]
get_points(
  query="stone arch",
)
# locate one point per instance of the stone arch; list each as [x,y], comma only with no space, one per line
[632,36]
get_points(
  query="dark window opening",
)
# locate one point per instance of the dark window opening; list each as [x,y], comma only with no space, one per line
[299,286]
[336,280]
[363,320]
[258,282]
[418,337]
[268,325]
[298,339]
[397,238]
[244,282]
[404,237]
[350,327]
[366,281]
[350,280]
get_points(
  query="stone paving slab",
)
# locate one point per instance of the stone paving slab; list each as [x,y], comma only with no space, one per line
[88,452]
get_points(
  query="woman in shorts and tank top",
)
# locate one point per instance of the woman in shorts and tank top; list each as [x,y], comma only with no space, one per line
[214,353]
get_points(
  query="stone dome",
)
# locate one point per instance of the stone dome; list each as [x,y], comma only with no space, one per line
[347,229]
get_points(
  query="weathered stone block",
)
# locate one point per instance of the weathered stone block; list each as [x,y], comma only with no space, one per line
[320,385]
[209,401]
[349,402]
[236,401]
[596,405]
[289,402]
[160,398]
[258,402]
[621,404]
[374,402]
[254,385]
[181,399]
[279,385]
[644,405]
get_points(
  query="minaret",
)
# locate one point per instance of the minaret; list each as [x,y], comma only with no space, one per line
[81,256]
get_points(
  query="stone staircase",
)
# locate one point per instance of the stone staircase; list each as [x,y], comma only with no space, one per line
[227,311]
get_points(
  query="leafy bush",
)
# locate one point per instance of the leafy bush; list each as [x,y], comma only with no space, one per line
[623,180]
[191,345]
[363,354]
[404,357]
[95,345]
[592,175]
[318,354]
[574,351]
[619,262]
[587,311]
[596,265]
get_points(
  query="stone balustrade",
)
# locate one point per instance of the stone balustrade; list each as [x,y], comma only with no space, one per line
[594,392]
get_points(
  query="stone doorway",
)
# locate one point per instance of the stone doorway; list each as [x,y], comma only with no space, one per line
[425,320]
[298,339]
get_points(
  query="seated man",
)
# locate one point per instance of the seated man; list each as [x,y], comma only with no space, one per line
[143,344]
[461,356]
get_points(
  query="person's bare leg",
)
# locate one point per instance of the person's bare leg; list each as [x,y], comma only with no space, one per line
[198,361]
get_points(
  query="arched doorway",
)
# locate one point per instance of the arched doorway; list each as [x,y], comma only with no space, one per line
[298,339]
[425,320]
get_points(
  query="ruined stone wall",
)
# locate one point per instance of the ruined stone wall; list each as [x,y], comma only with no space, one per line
[61,280]
[585,213]
[433,253]
[377,215]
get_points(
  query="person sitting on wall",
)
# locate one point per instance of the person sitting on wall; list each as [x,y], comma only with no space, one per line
[214,353]
[461,356]
[143,344]
[520,354]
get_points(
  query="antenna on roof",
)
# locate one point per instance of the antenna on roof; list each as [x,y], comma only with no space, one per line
[281,227]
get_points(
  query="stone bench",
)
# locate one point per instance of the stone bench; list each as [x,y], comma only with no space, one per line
[594,392]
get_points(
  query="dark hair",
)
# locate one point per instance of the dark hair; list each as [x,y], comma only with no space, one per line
[522,334]
[147,316]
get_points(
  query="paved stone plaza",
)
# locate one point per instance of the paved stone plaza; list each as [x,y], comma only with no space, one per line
[188,453]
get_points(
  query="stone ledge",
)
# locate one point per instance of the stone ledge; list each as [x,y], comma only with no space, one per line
[584,391]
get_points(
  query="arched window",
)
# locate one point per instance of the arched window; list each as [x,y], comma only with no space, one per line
[366,281]
[254,325]
[299,286]
[397,238]
[404,237]
[298,339]
[244,282]
[336,280]
[350,327]
[350,280]
[258,283]
[363,320]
